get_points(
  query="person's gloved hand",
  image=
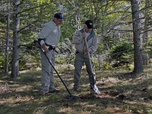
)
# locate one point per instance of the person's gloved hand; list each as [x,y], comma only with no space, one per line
[51,47]
[45,48]
[88,50]
[84,34]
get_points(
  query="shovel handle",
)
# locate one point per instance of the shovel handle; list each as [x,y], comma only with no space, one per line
[85,41]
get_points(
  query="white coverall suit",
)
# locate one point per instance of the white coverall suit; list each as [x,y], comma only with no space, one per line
[51,34]
[82,57]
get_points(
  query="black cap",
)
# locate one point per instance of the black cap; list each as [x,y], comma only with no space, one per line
[59,16]
[89,24]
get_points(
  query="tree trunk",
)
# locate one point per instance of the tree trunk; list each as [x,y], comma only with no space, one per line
[15,56]
[145,33]
[147,4]
[7,38]
[138,63]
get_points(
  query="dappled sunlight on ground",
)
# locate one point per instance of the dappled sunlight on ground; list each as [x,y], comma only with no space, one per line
[121,93]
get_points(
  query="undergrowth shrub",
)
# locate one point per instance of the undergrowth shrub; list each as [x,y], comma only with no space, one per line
[122,54]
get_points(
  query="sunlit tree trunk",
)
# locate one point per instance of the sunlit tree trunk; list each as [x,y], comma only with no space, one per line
[15,56]
[137,37]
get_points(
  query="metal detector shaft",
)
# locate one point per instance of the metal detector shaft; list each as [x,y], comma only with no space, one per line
[58,75]
[56,71]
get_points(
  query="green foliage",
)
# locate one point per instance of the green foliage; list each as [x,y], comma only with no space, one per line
[59,60]
[29,60]
[2,61]
[43,1]
[110,19]
[100,48]
[121,52]
[130,66]
[107,66]
[148,47]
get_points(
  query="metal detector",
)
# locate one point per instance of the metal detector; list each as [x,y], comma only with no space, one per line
[70,96]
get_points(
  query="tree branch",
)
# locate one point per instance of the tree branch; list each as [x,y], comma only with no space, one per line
[27,25]
[32,8]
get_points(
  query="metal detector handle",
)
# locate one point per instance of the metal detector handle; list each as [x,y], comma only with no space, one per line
[38,45]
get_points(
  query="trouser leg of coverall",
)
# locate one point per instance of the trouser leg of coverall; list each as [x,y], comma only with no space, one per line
[47,78]
[92,76]
[91,73]
[77,73]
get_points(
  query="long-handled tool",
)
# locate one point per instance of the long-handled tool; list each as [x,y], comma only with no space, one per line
[86,44]
[70,95]
[93,79]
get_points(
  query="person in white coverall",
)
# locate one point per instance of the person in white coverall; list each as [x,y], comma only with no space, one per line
[82,55]
[49,36]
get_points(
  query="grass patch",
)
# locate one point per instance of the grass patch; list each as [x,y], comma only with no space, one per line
[121,93]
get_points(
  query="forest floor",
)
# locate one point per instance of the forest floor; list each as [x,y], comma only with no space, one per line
[121,93]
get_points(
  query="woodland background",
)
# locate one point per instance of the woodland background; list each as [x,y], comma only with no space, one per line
[122,61]
[123,29]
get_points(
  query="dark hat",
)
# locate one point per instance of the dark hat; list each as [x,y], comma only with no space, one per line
[89,24]
[59,16]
